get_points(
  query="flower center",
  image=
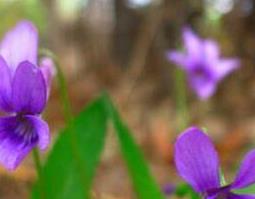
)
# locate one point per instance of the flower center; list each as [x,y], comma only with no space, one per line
[25,130]
[200,73]
[219,193]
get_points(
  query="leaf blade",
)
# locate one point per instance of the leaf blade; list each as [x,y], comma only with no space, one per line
[143,182]
[60,171]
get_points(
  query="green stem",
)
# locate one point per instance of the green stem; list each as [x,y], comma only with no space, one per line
[38,167]
[62,86]
[68,117]
[181,100]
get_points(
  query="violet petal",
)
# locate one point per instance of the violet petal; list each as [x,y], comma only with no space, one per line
[5,86]
[192,44]
[225,66]
[246,174]
[241,196]
[211,52]
[42,130]
[28,89]
[204,85]
[178,58]
[20,44]
[17,138]
[197,160]
[48,70]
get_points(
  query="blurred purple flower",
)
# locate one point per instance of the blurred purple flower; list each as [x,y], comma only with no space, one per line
[197,163]
[202,64]
[24,89]
[169,189]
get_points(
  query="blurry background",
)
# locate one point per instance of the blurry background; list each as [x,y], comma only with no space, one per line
[120,46]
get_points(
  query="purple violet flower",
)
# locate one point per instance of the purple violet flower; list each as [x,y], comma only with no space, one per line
[169,189]
[197,163]
[24,90]
[202,63]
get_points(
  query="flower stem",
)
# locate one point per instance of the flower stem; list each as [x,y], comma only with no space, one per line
[38,167]
[181,100]
[68,117]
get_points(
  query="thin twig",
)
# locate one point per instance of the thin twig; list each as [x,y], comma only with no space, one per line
[143,43]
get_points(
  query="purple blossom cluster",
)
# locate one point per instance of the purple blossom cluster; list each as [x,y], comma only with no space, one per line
[202,63]
[24,90]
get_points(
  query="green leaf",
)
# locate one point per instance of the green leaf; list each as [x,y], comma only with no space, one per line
[61,176]
[143,182]
[248,190]
[184,190]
